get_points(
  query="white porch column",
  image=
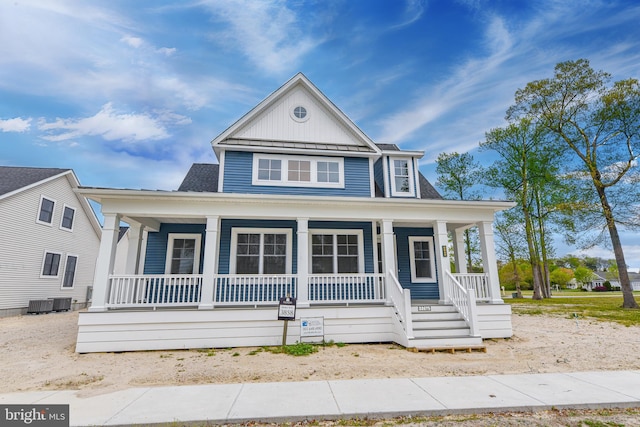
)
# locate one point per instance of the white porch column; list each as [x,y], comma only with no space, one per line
[210,267]
[303,263]
[459,247]
[104,263]
[135,244]
[441,243]
[489,264]
[388,247]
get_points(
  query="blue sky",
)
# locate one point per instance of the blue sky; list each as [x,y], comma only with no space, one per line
[130,93]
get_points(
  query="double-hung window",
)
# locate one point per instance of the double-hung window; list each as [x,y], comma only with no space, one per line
[260,251]
[335,252]
[45,214]
[183,254]
[68,214]
[298,171]
[422,259]
[70,271]
[402,182]
[51,264]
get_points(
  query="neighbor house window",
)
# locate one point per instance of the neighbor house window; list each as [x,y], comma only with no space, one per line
[422,259]
[401,177]
[51,264]
[183,254]
[334,252]
[70,271]
[260,251]
[298,171]
[68,215]
[45,215]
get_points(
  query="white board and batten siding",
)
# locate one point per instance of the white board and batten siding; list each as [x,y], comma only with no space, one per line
[24,242]
[276,123]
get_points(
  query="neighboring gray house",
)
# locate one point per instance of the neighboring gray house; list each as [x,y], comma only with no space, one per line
[49,238]
[601,276]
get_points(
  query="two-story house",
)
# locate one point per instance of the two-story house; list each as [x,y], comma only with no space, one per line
[49,239]
[303,204]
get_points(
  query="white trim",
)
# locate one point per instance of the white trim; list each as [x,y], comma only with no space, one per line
[221,160]
[412,259]
[75,271]
[73,221]
[416,177]
[385,177]
[44,258]
[411,178]
[372,177]
[284,171]
[53,211]
[296,118]
[261,231]
[336,231]
[170,239]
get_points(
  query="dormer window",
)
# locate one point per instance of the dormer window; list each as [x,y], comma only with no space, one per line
[298,171]
[402,177]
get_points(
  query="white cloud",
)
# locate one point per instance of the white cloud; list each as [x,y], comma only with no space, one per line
[111,125]
[414,9]
[267,32]
[135,42]
[167,51]
[15,125]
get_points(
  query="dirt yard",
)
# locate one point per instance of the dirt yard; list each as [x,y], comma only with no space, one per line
[37,353]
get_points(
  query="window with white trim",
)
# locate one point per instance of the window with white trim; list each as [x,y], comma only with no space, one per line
[45,214]
[298,171]
[423,267]
[261,251]
[337,251]
[70,271]
[68,215]
[183,253]
[51,264]
[402,177]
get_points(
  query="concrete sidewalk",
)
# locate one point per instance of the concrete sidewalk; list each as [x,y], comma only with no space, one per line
[378,398]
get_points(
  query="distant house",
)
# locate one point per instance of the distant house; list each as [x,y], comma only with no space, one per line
[601,276]
[49,238]
[302,204]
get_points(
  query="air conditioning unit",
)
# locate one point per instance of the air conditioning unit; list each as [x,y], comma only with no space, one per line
[61,304]
[38,306]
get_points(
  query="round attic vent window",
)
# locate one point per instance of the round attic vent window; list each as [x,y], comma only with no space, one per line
[299,114]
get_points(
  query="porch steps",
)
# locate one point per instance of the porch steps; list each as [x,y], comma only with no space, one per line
[438,327]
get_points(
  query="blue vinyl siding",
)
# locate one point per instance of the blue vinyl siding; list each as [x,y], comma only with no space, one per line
[156,254]
[224,255]
[366,227]
[418,290]
[238,178]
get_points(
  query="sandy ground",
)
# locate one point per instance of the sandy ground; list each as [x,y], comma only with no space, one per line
[37,353]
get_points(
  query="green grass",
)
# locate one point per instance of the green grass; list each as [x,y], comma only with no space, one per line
[297,349]
[608,308]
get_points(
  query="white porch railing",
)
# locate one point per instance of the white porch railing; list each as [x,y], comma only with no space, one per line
[253,290]
[479,282]
[165,290]
[401,300]
[463,299]
[346,288]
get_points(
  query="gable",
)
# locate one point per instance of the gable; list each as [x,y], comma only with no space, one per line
[272,123]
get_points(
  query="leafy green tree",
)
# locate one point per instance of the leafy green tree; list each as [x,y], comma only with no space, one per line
[599,124]
[584,275]
[458,178]
[511,245]
[562,276]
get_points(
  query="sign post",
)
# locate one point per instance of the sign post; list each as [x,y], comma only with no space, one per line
[286,312]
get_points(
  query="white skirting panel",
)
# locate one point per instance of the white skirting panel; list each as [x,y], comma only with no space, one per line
[219,328]
[494,320]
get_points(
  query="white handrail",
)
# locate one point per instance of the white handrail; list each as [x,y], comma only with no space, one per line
[154,290]
[479,282]
[401,300]
[346,288]
[253,289]
[463,300]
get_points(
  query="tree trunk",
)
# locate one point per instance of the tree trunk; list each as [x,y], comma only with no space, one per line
[628,301]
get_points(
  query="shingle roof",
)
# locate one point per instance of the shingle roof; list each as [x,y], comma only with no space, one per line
[388,147]
[13,178]
[202,177]
[427,191]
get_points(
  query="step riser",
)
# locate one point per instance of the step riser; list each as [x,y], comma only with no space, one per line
[438,324]
[437,333]
[417,317]
[433,309]
[444,342]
